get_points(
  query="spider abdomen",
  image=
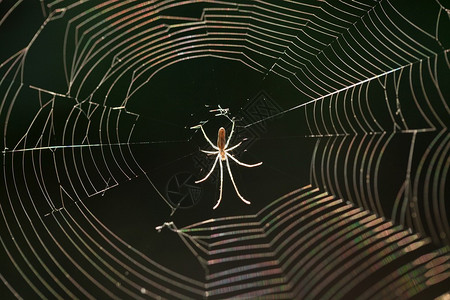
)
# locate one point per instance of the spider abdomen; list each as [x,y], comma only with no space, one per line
[221,142]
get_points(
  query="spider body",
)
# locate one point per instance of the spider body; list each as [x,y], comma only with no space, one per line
[222,154]
[221,143]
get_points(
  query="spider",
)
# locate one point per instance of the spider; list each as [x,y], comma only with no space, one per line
[222,152]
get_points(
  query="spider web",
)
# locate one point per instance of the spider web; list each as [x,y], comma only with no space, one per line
[345,102]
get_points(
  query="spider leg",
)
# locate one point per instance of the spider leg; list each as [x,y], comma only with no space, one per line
[212,169]
[234,147]
[234,184]
[209,152]
[241,163]
[231,134]
[221,183]
[206,137]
